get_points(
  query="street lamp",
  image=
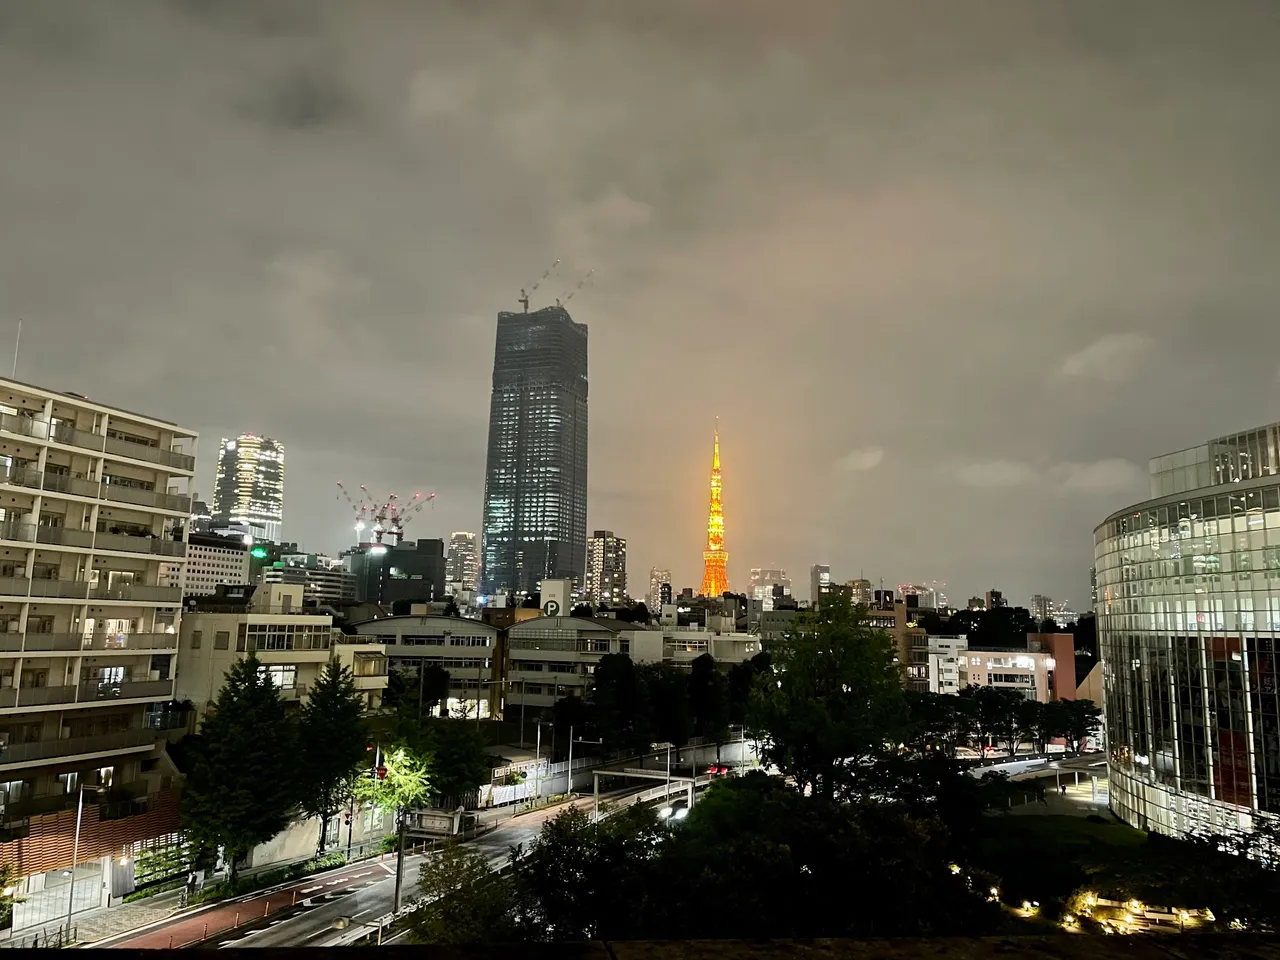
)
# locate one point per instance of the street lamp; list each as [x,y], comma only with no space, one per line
[668,745]
[569,776]
[75,855]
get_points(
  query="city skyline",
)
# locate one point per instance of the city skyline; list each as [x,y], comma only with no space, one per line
[475,166]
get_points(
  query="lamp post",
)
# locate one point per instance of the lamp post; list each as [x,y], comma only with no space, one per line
[569,779]
[668,745]
[75,855]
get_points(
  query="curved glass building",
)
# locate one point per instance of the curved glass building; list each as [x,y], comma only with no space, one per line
[1188,620]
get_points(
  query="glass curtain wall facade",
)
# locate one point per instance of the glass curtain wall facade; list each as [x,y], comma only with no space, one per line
[535,498]
[1188,619]
[249,485]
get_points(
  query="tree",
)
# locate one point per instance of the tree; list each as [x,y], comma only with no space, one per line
[1029,723]
[757,859]
[582,610]
[1081,720]
[451,607]
[708,699]
[994,714]
[580,880]
[423,693]
[1049,625]
[619,705]
[940,721]
[666,697]
[571,716]
[459,762]
[742,680]
[332,742]
[463,901]
[833,700]
[9,878]
[241,790]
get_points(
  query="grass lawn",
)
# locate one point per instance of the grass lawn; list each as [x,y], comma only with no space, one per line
[1047,858]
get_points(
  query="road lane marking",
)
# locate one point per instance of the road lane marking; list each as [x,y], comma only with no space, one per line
[334,883]
[312,889]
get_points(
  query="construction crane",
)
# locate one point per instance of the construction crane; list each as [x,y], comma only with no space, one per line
[386,517]
[523,299]
[569,295]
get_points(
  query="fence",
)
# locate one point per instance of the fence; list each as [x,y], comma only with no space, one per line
[50,939]
[540,779]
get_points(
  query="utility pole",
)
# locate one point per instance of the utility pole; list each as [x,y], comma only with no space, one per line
[75,855]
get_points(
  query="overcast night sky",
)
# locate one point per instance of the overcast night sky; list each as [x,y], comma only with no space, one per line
[949,272]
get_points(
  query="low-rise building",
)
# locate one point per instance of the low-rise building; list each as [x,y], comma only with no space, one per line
[553,657]
[212,561]
[466,649]
[936,664]
[292,642]
[323,579]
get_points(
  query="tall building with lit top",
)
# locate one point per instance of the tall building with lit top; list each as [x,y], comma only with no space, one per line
[535,491]
[463,565]
[249,485]
[715,574]
[606,569]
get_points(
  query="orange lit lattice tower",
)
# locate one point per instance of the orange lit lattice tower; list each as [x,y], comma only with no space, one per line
[715,579]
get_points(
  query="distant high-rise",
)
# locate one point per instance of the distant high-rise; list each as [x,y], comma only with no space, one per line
[1041,608]
[819,582]
[763,581]
[995,599]
[715,574]
[606,569]
[249,486]
[861,591]
[535,491]
[463,565]
[653,600]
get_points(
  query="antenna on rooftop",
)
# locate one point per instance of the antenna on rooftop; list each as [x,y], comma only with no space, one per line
[16,344]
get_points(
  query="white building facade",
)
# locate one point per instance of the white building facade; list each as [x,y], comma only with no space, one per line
[95,503]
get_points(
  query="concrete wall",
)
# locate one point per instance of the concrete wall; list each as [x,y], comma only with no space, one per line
[298,840]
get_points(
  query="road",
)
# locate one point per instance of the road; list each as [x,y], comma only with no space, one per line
[304,913]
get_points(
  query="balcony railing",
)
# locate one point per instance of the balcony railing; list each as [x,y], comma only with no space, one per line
[24,426]
[10,642]
[124,689]
[71,746]
[138,592]
[70,483]
[16,476]
[152,545]
[43,642]
[65,536]
[147,498]
[69,435]
[8,697]
[39,696]
[68,589]
[142,451]
[14,530]
[132,641]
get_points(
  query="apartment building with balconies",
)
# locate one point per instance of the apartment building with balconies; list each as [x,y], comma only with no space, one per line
[292,642]
[93,502]
[466,649]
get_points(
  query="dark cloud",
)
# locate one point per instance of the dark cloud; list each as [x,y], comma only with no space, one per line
[948,273]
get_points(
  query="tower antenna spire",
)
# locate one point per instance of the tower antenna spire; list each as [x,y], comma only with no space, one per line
[715,577]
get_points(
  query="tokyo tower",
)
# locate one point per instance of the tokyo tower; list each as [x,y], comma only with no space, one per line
[715,579]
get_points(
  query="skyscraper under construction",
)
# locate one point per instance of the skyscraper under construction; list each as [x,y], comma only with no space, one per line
[535,491]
